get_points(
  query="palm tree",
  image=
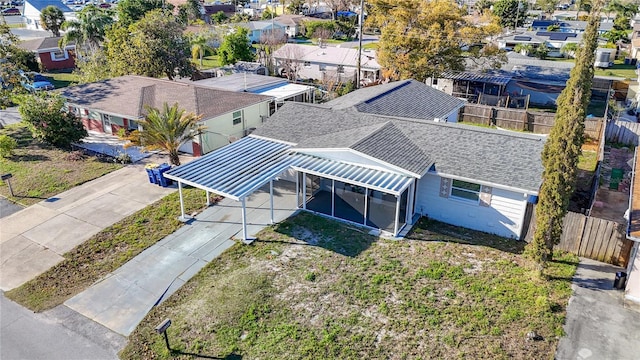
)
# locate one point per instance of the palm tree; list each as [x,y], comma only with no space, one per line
[582,5]
[88,31]
[168,130]
[51,19]
[199,44]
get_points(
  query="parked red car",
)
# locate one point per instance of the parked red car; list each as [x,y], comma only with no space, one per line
[10,12]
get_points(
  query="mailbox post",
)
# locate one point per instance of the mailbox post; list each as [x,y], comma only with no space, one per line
[7,177]
[162,329]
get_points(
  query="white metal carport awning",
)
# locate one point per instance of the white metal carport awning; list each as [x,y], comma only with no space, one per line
[236,170]
[385,181]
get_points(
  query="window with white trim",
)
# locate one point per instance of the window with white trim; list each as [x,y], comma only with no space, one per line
[464,190]
[237,117]
[132,125]
[340,69]
[307,64]
[59,55]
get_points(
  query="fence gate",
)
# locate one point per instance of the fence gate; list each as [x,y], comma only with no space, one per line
[596,239]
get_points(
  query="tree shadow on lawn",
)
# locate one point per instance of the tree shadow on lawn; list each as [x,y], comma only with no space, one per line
[29,157]
[315,230]
[432,230]
[228,357]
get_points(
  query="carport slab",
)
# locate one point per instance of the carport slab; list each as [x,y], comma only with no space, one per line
[24,220]
[105,210]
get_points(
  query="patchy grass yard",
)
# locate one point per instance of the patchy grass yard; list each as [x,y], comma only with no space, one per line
[313,288]
[588,160]
[208,62]
[41,171]
[105,252]
[61,79]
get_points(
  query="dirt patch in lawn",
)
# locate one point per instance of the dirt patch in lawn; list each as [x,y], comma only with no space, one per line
[41,171]
[350,295]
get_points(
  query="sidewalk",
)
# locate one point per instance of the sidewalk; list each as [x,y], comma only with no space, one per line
[598,326]
[121,299]
[35,239]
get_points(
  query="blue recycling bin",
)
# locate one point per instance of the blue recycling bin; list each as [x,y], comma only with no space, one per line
[151,175]
[159,172]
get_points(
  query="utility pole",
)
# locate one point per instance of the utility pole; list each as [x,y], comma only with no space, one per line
[359,60]
[515,25]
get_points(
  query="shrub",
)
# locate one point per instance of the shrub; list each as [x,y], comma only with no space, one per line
[7,145]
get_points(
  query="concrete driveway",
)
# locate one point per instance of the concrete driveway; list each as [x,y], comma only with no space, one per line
[598,326]
[121,299]
[34,239]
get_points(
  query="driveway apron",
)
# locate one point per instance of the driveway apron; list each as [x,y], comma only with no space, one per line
[598,326]
[34,239]
[121,299]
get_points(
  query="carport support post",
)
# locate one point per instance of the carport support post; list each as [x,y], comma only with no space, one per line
[208,198]
[244,220]
[271,198]
[181,201]
[395,227]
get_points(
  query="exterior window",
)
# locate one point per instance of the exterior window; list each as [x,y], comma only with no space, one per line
[237,117]
[323,67]
[58,55]
[465,190]
[307,64]
[340,69]
[133,125]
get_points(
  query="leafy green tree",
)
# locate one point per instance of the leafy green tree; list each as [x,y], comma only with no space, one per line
[267,14]
[510,12]
[614,36]
[542,51]
[235,47]
[219,18]
[45,115]
[12,60]
[239,18]
[51,19]
[563,147]
[483,5]
[92,68]
[314,27]
[569,50]
[548,6]
[295,6]
[621,23]
[88,31]
[582,5]
[168,129]
[423,39]
[130,11]
[154,46]
[190,11]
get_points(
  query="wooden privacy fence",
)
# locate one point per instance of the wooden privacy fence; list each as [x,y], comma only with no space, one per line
[518,119]
[623,132]
[596,239]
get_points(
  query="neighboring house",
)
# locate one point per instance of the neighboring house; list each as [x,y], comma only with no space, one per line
[278,88]
[555,41]
[110,105]
[50,56]
[382,171]
[210,9]
[33,9]
[261,30]
[569,26]
[407,99]
[294,24]
[326,63]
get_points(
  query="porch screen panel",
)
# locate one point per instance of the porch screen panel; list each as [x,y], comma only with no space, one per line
[349,202]
[319,194]
[381,211]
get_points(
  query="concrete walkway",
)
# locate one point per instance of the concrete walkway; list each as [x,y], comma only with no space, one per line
[34,239]
[598,326]
[121,299]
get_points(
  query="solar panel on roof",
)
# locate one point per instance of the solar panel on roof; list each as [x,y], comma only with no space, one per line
[558,36]
[522,38]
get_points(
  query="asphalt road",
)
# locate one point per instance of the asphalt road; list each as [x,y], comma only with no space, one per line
[56,334]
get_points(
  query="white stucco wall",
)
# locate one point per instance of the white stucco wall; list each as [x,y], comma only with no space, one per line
[31,17]
[220,130]
[503,217]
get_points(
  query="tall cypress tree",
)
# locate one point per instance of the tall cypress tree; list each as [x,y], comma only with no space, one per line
[563,147]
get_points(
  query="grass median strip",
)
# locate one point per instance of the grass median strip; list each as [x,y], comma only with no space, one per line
[106,251]
[313,288]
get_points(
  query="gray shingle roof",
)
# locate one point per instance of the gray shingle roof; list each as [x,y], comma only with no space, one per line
[493,156]
[408,98]
[128,95]
[41,4]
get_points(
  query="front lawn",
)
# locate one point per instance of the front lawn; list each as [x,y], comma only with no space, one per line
[208,62]
[313,288]
[61,79]
[106,251]
[41,171]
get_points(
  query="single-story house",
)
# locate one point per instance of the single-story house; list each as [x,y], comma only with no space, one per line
[50,56]
[261,30]
[380,171]
[569,26]
[278,88]
[326,62]
[294,24]
[33,9]
[110,105]
[554,40]
[407,99]
[211,9]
